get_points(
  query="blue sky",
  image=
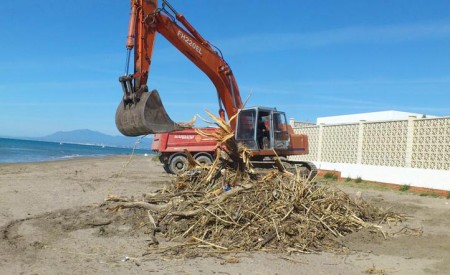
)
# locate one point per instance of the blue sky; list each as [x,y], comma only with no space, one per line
[60,60]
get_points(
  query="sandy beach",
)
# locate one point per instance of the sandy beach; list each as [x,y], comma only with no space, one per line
[51,224]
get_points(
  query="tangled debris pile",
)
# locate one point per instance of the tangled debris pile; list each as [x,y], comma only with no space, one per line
[227,206]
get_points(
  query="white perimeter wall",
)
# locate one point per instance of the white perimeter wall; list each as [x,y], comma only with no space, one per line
[413,151]
[436,179]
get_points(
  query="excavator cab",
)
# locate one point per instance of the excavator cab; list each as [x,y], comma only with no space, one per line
[261,128]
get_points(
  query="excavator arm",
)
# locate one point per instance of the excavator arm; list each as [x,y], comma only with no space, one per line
[141,112]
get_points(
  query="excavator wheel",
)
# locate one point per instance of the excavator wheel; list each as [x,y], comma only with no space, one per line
[146,116]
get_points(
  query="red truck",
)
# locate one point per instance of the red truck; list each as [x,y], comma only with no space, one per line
[171,148]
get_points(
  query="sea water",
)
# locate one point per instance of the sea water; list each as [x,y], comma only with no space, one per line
[17,150]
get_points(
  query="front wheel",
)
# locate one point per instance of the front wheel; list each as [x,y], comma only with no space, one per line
[178,164]
[203,160]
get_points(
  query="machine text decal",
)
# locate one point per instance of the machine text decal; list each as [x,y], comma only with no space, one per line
[184,136]
[189,41]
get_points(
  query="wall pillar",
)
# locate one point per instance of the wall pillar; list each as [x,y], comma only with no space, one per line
[319,143]
[409,141]
[360,142]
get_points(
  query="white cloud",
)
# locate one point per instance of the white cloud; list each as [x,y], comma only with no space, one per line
[266,42]
[294,87]
[376,81]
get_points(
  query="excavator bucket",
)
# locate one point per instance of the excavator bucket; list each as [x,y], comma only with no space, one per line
[147,116]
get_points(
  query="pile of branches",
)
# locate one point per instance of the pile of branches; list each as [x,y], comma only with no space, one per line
[226,206]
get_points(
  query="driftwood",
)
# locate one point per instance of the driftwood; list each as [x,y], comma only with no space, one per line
[228,207]
[141,204]
[145,205]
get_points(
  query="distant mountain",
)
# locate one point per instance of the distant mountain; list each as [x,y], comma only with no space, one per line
[96,138]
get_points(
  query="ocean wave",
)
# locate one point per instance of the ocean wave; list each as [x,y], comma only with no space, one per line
[73,156]
[69,156]
[15,151]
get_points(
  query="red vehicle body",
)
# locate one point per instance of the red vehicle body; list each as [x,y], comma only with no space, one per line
[171,145]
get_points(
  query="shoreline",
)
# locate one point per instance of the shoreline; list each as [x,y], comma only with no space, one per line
[72,143]
[87,157]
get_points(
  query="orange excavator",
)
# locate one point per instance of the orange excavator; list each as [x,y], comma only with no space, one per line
[263,130]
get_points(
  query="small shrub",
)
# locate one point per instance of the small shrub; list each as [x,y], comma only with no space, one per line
[348,179]
[358,180]
[429,194]
[330,176]
[448,195]
[404,187]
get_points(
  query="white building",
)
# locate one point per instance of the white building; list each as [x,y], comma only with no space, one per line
[372,116]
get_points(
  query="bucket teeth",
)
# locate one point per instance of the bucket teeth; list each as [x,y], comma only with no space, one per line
[147,116]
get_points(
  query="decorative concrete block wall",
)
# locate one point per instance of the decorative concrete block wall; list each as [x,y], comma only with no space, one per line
[422,145]
[431,144]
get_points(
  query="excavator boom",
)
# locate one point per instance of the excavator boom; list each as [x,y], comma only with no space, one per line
[141,112]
